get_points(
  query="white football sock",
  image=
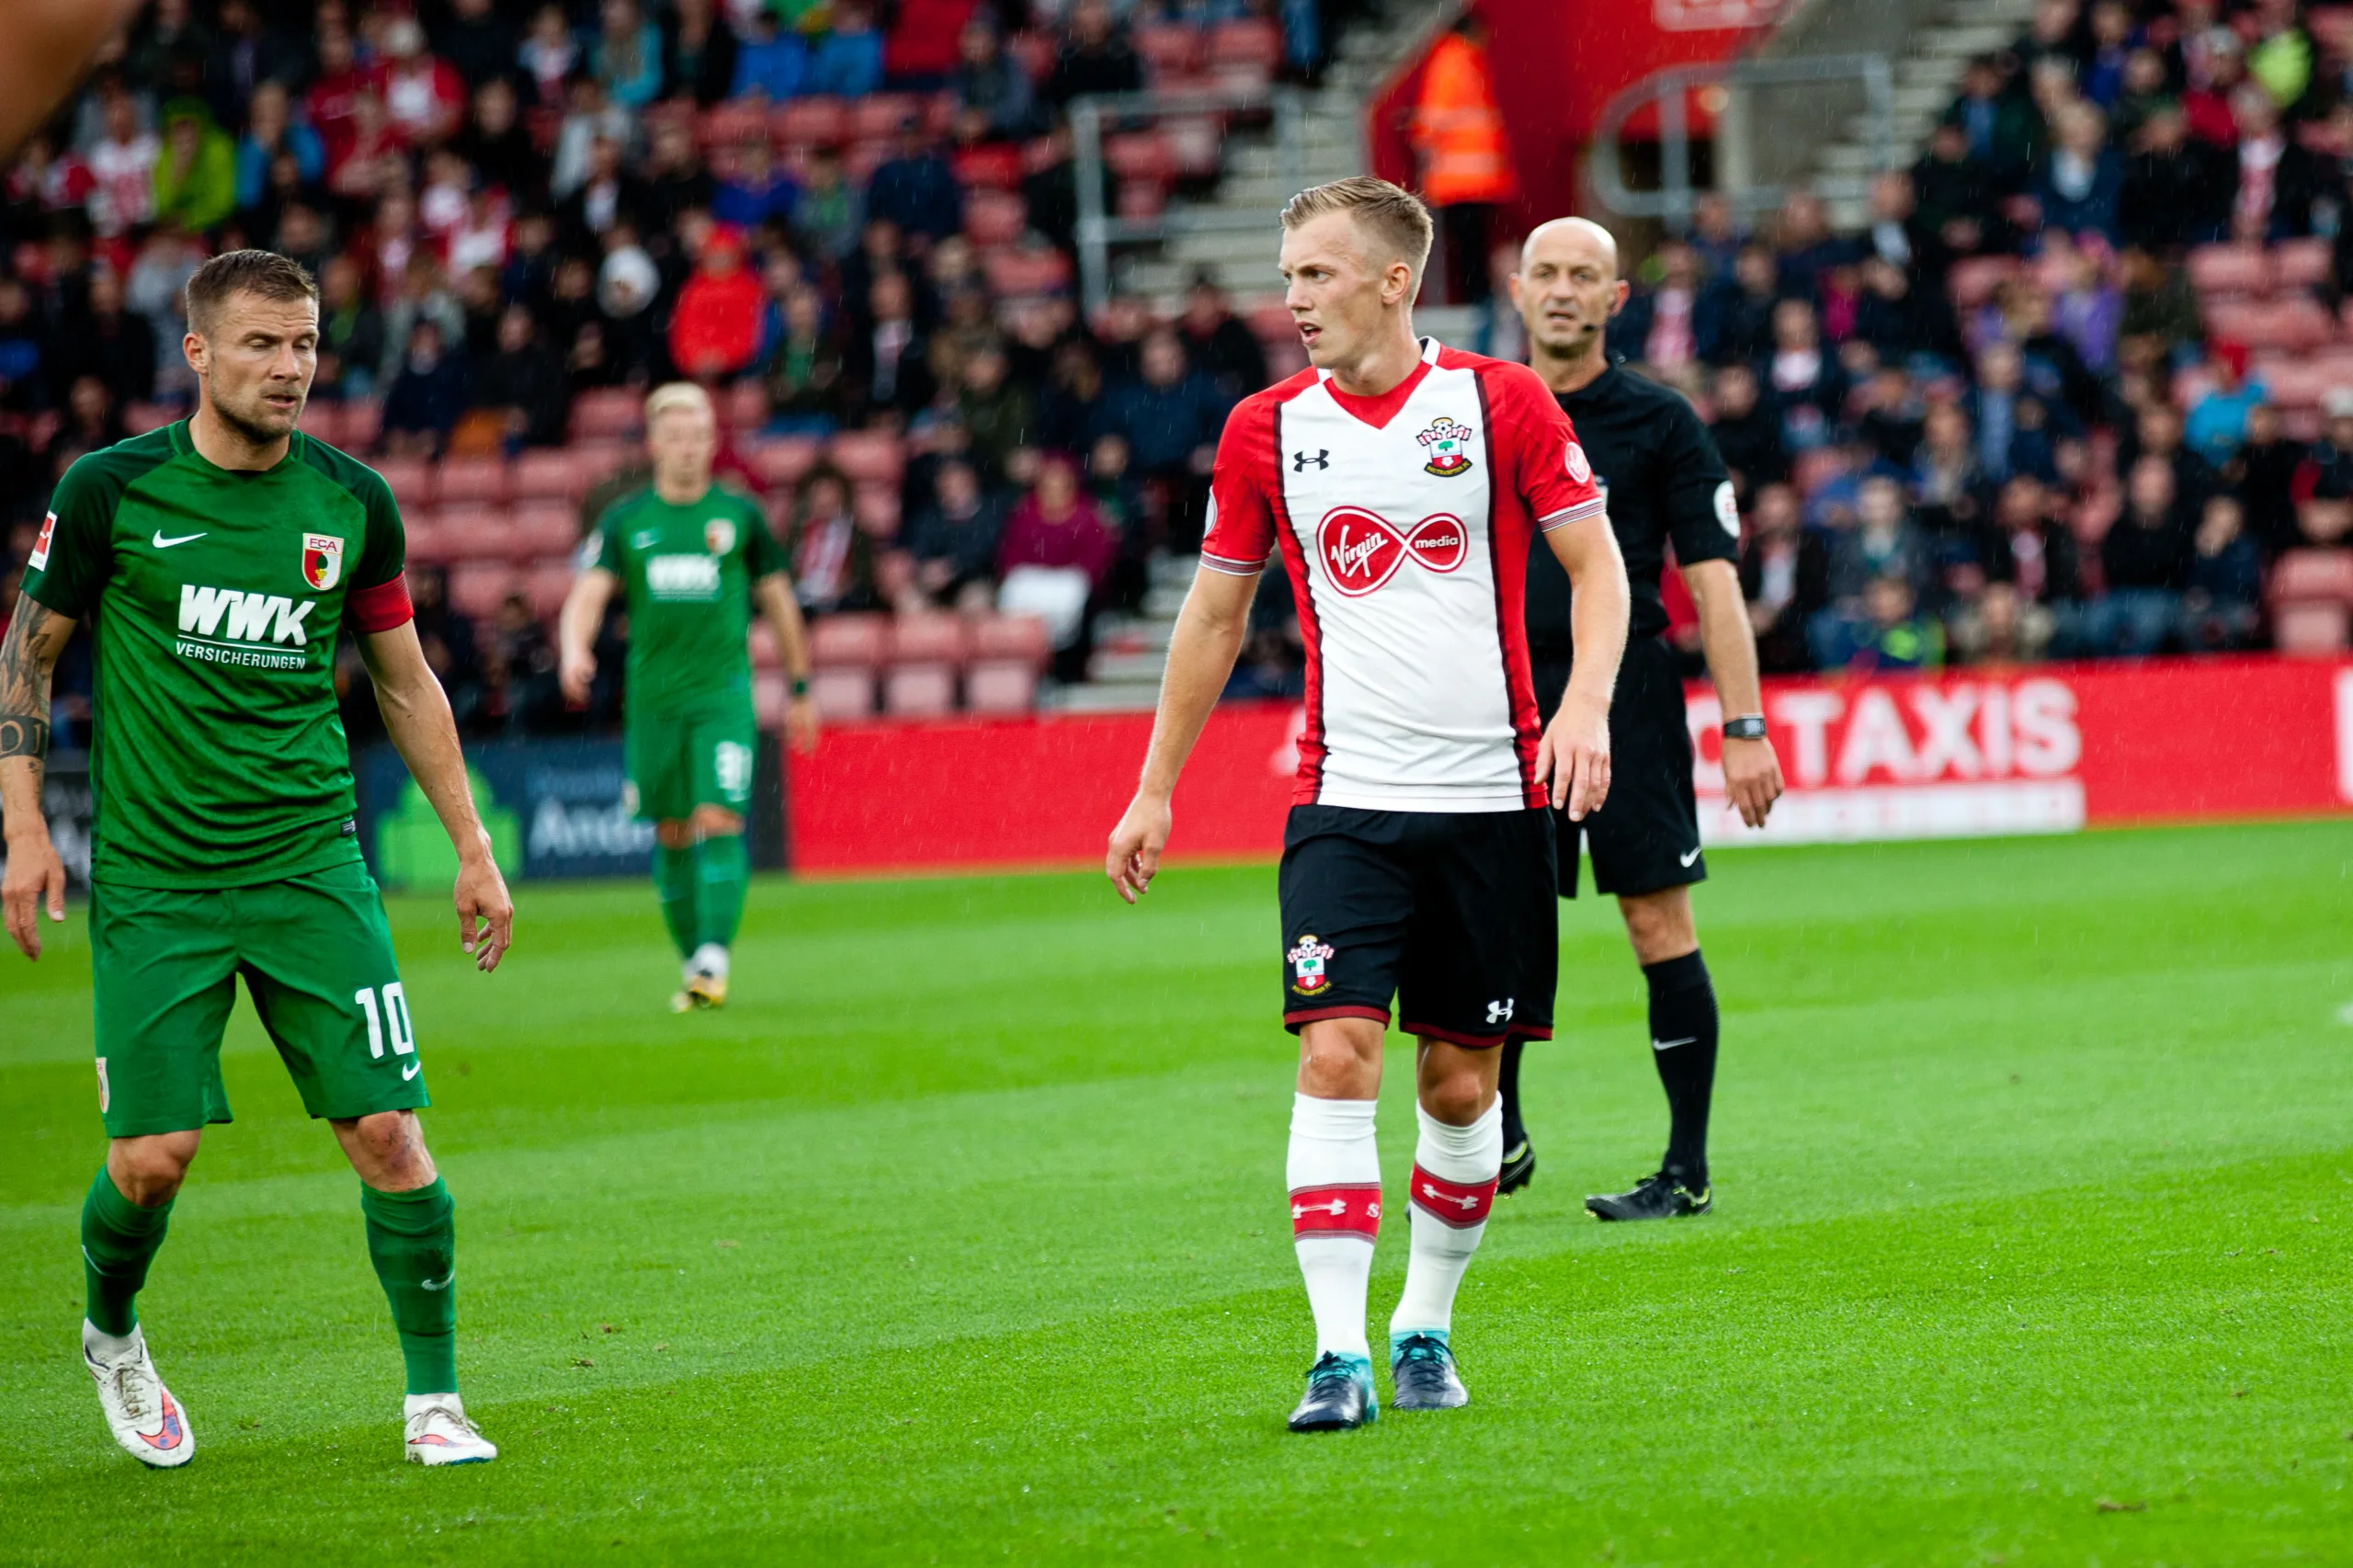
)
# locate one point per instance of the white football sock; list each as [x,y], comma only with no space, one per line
[710,959]
[411,1404]
[108,1348]
[1334,1173]
[1454,1184]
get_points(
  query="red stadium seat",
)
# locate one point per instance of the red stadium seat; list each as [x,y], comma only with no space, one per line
[864,157]
[744,407]
[926,639]
[1195,144]
[2312,575]
[544,472]
[474,479]
[919,691]
[810,123]
[1247,41]
[2311,629]
[2237,270]
[939,113]
[875,507]
[766,655]
[994,167]
[1169,49]
[2293,324]
[1140,155]
[770,695]
[849,641]
[141,417]
[1013,273]
[778,463]
[843,694]
[544,529]
[606,413]
[877,116]
[475,533]
[363,422]
[2303,264]
[545,586]
[593,462]
[1001,686]
[410,479]
[1018,639]
[1139,200]
[730,125]
[865,456]
[427,545]
[477,588]
[995,217]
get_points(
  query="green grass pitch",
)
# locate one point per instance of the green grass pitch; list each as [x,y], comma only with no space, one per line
[959,1238]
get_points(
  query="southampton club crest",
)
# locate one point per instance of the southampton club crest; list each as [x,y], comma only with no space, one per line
[1449,445]
[1306,962]
[719,536]
[322,560]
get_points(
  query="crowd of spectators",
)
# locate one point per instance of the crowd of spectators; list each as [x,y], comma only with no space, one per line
[2070,391]
[841,215]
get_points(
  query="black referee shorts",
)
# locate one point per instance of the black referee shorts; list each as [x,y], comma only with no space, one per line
[1646,834]
[1451,912]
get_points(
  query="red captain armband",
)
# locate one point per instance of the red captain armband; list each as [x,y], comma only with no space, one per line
[379,609]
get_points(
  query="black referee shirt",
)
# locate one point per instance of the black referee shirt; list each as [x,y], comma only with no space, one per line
[1658,467]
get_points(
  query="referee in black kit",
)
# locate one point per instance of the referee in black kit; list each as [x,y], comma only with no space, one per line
[1664,483]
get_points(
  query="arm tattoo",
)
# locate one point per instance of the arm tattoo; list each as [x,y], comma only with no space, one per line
[27,656]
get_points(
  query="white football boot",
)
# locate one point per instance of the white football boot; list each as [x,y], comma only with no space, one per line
[705,980]
[141,1412]
[438,1432]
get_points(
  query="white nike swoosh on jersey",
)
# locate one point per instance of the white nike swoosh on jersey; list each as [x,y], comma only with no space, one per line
[162,543]
[1671,1044]
[1687,860]
[411,1071]
[441,1284]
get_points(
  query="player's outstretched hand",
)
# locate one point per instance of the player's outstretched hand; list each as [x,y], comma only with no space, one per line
[575,673]
[485,913]
[1573,759]
[1133,858]
[36,879]
[801,724]
[1752,779]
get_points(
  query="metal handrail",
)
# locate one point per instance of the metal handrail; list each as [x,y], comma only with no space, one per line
[1098,230]
[1673,201]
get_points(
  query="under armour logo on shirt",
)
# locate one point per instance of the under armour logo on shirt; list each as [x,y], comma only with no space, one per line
[1299,461]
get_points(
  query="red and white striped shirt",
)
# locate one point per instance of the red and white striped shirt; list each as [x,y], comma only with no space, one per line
[1404,521]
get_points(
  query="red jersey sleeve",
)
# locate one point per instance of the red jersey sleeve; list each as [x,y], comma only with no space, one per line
[1547,466]
[1243,490]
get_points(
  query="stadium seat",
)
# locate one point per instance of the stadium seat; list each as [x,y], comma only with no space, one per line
[542,529]
[425,543]
[777,462]
[593,462]
[1246,53]
[849,641]
[926,639]
[1140,155]
[995,217]
[1196,145]
[770,693]
[1016,272]
[363,423]
[1001,686]
[877,116]
[2311,629]
[472,479]
[606,413]
[842,694]
[322,420]
[993,166]
[939,113]
[141,417]
[2312,575]
[411,480]
[2291,324]
[875,507]
[810,123]
[864,157]
[1020,639]
[544,474]
[1140,200]
[730,125]
[866,456]
[2303,264]
[474,533]
[545,585]
[766,655]
[1169,49]
[478,587]
[2241,270]
[919,691]
[744,407]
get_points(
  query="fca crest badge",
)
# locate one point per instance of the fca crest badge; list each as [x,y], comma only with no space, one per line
[1446,441]
[1322,459]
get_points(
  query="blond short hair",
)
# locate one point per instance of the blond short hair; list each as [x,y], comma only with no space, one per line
[1391,216]
[676,397]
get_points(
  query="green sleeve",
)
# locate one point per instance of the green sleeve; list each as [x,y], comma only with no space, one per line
[609,529]
[763,556]
[74,556]
[385,550]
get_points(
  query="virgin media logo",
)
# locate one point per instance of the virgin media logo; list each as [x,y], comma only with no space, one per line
[1363,550]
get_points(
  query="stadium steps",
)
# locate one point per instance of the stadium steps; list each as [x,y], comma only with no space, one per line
[1928,75]
[1131,650]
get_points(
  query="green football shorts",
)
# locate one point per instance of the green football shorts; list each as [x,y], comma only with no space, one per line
[680,761]
[317,957]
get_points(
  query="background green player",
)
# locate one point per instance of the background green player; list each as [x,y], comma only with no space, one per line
[216,560]
[693,560]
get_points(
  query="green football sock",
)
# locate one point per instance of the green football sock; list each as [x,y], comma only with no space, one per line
[674,881]
[719,898]
[413,1241]
[119,1241]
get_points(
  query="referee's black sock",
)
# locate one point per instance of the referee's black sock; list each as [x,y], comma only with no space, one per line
[1507,1091]
[1683,1038]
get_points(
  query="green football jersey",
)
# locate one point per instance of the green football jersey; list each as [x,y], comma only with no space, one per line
[688,573]
[213,600]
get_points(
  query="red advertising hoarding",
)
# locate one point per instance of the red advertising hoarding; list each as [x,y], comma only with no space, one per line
[2046,750]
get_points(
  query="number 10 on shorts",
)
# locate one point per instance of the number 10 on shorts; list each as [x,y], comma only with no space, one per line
[394,1011]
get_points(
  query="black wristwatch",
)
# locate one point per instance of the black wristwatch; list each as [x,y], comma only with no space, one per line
[800,685]
[1748,727]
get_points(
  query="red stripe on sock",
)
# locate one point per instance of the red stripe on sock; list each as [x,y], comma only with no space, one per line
[1336,1211]
[1450,1201]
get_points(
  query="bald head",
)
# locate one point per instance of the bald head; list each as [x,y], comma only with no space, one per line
[1570,239]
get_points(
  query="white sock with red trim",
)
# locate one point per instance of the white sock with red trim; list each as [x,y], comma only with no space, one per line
[1334,1173]
[1454,1186]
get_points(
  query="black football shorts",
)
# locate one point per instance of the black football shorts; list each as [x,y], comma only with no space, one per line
[1646,834]
[1451,914]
